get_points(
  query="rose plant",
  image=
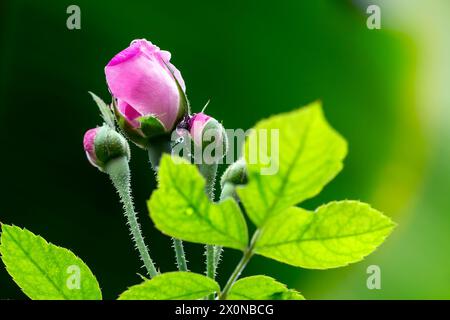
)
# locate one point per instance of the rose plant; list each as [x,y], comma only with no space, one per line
[149,106]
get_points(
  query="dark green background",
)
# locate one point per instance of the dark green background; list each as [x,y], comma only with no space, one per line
[252,59]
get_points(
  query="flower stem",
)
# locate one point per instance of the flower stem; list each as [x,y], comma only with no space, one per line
[156,149]
[179,253]
[210,271]
[209,172]
[227,191]
[119,173]
[217,256]
[248,253]
[155,152]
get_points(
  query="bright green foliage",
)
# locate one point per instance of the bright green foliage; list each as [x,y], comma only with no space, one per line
[310,155]
[43,270]
[181,208]
[262,288]
[335,235]
[172,286]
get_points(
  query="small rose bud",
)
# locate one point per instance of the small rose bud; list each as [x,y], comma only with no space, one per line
[88,143]
[197,124]
[205,130]
[235,175]
[104,144]
[149,91]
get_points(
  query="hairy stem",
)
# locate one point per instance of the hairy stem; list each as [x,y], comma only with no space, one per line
[217,256]
[248,253]
[119,173]
[227,191]
[179,254]
[209,252]
[209,172]
[155,152]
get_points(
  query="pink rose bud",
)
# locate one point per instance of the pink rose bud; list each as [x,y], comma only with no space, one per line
[88,143]
[104,144]
[205,130]
[148,88]
[197,124]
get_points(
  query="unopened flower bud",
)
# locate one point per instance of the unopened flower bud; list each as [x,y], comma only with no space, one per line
[88,144]
[205,130]
[104,144]
[149,91]
[235,174]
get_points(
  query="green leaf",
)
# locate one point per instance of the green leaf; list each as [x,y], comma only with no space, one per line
[335,235]
[310,155]
[172,286]
[180,208]
[262,288]
[43,270]
[105,110]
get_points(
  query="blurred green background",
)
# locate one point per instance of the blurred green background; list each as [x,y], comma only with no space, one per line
[387,92]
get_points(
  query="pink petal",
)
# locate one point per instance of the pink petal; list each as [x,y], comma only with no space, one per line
[89,145]
[129,113]
[140,78]
[196,125]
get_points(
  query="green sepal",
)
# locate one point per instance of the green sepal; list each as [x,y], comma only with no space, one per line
[235,174]
[109,145]
[105,110]
[151,127]
[134,134]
